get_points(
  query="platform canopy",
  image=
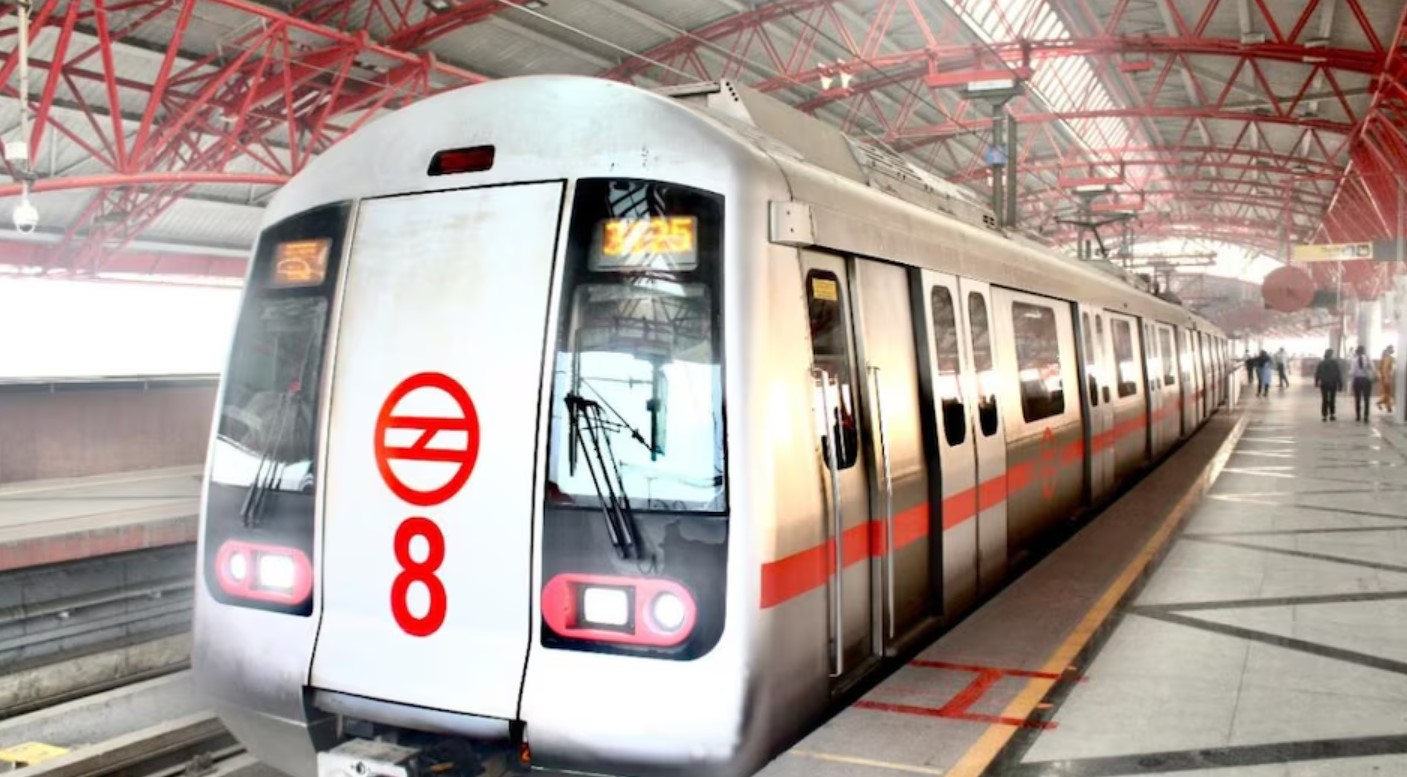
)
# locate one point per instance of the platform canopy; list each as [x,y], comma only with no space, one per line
[160,127]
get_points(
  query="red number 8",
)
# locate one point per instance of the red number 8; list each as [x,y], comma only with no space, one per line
[422,572]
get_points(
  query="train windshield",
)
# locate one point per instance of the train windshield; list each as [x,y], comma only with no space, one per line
[637,408]
[266,434]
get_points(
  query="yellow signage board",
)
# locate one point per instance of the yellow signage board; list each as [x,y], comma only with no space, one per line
[28,753]
[1332,252]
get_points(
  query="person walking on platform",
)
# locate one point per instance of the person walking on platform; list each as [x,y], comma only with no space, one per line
[1362,384]
[1329,378]
[1387,372]
[1250,362]
[1282,360]
[1263,366]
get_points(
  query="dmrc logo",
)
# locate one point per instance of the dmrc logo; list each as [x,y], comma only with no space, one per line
[463,421]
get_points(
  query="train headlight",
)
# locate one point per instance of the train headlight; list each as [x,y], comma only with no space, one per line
[605,606]
[276,572]
[263,573]
[639,611]
[238,567]
[669,611]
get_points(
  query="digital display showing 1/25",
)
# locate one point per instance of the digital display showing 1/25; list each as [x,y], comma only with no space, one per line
[655,243]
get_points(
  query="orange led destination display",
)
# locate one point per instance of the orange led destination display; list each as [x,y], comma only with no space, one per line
[301,262]
[628,243]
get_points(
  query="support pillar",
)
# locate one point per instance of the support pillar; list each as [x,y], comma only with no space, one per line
[1401,377]
[1370,326]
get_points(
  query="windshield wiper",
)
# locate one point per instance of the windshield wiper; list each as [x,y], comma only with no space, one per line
[269,470]
[620,422]
[588,424]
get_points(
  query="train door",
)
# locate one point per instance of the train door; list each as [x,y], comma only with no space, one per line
[1205,382]
[1099,423]
[1168,418]
[837,383]
[1131,401]
[1187,371]
[949,364]
[427,537]
[898,471]
[1044,424]
[1156,398]
[988,435]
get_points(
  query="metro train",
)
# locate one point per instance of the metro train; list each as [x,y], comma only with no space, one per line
[626,430]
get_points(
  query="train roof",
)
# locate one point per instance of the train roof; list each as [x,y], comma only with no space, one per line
[797,139]
[559,126]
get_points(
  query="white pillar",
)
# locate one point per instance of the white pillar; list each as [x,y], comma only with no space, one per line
[1370,326]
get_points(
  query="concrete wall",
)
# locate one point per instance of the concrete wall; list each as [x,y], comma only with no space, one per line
[73,428]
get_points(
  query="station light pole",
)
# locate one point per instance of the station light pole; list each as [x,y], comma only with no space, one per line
[1001,155]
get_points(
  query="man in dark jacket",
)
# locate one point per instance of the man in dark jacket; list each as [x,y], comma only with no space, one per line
[1329,378]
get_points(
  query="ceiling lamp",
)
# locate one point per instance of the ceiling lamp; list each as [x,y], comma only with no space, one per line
[25,215]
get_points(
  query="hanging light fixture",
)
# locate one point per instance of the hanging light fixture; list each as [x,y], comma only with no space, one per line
[26,216]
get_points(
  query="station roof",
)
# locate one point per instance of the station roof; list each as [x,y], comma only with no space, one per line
[161,127]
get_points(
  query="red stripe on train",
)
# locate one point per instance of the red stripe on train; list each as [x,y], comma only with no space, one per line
[791,576]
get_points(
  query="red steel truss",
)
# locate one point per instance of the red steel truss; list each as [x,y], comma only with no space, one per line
[1196,154]
[1241,190]
[277,95]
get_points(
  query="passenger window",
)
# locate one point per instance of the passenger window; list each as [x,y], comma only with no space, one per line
[1169,369]
[945,337]
[1090,363]
[982,362]
[1123,356]
[1037,361]
[831,354]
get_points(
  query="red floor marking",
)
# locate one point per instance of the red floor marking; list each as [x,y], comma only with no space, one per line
[957,707]
[983,669]
[907,709]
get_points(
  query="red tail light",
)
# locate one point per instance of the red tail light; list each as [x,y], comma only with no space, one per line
[265,573]
[461,160]
[631,610]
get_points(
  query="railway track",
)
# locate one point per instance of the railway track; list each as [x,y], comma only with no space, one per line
[51,612]
[77,628]
[194,745]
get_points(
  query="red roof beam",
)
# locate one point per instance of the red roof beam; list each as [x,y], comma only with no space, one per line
[948,78]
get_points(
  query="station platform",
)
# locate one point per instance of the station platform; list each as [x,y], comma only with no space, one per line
[1242,611]
[51,521]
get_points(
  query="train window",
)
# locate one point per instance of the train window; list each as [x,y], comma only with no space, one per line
[638,383]
[1169,364]
[1123,356]
[945,337]
[982,362]
[1090,364]
[1038,361]
[830,351]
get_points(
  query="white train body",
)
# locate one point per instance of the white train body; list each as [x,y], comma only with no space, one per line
[528,431]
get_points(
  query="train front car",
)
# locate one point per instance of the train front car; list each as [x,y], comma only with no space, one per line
[471,477]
